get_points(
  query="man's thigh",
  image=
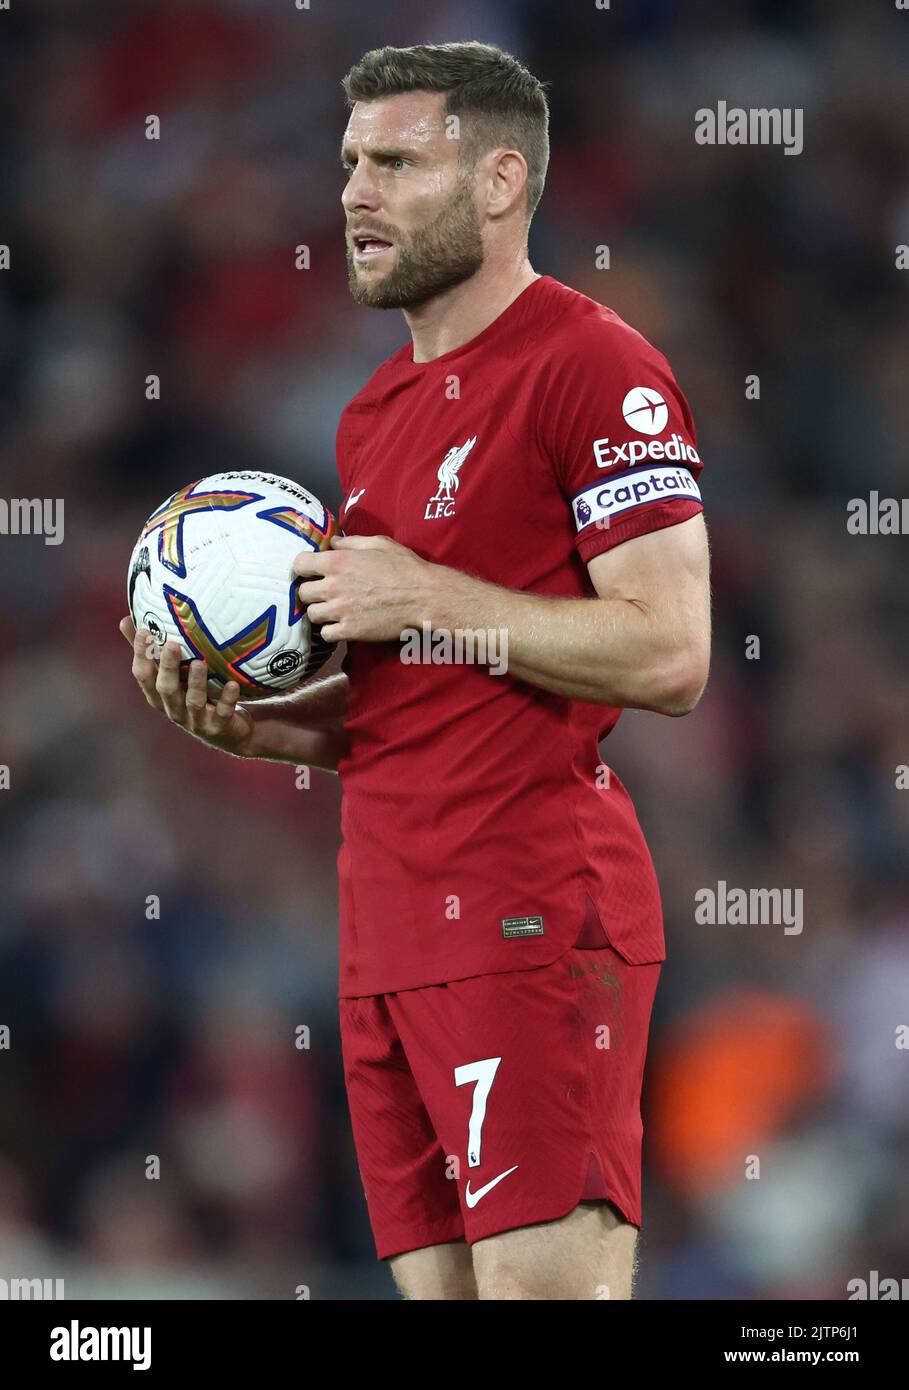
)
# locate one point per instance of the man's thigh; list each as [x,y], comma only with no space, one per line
[588,1254]
[436,1272]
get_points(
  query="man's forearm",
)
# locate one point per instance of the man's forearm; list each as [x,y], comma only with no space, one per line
[306,727]
[608,651]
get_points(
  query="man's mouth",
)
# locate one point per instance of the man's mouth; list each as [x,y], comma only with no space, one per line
[366,247]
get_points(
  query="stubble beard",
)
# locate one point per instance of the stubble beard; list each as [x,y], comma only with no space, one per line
[445,253]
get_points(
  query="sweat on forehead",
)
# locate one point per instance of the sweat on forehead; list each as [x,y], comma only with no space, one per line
[409,121]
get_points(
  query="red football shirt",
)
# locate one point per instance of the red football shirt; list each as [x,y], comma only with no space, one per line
[478,829]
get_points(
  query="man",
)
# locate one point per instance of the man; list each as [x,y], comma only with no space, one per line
[524,473]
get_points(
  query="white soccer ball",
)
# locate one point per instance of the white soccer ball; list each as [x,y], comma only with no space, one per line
[213,570]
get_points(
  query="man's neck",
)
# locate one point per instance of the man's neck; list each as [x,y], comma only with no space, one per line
[461,313]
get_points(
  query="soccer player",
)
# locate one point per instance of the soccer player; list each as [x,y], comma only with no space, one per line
[524,556]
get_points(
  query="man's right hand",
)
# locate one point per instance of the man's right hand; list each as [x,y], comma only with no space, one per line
[223,725]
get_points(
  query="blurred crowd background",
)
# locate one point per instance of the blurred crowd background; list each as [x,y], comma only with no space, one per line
[176,1037]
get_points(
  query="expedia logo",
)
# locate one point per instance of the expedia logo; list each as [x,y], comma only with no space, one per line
[635,451]
[645,410]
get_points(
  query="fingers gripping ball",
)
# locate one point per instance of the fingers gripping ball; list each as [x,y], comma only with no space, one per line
[213,570]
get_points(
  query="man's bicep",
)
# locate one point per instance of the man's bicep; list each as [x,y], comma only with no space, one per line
[666,575]
[669,566]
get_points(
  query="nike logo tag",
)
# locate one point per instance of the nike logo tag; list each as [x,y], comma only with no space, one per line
[353,499]
[472,1198]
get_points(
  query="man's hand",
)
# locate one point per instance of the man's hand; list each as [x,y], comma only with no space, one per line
[222,725]
[366,588]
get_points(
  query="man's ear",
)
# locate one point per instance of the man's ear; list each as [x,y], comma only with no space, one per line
[507,180]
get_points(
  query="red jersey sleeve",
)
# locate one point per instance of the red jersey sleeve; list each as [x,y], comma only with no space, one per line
[620,436]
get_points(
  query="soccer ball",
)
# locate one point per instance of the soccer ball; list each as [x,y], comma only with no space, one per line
[213,570]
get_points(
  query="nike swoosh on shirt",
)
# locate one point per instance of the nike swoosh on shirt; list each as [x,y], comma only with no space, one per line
[472,1198]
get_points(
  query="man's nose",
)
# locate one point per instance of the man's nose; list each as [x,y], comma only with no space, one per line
[360,191]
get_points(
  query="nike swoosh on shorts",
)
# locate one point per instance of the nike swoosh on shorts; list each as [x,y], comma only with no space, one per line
[471,1198]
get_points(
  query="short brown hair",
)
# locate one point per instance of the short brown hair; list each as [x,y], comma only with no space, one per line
[503,102]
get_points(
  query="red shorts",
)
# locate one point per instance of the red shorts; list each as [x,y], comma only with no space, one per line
[499,1102]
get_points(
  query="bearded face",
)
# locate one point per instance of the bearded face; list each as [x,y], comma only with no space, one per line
[396,269]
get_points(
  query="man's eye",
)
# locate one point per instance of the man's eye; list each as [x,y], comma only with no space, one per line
[402,162]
